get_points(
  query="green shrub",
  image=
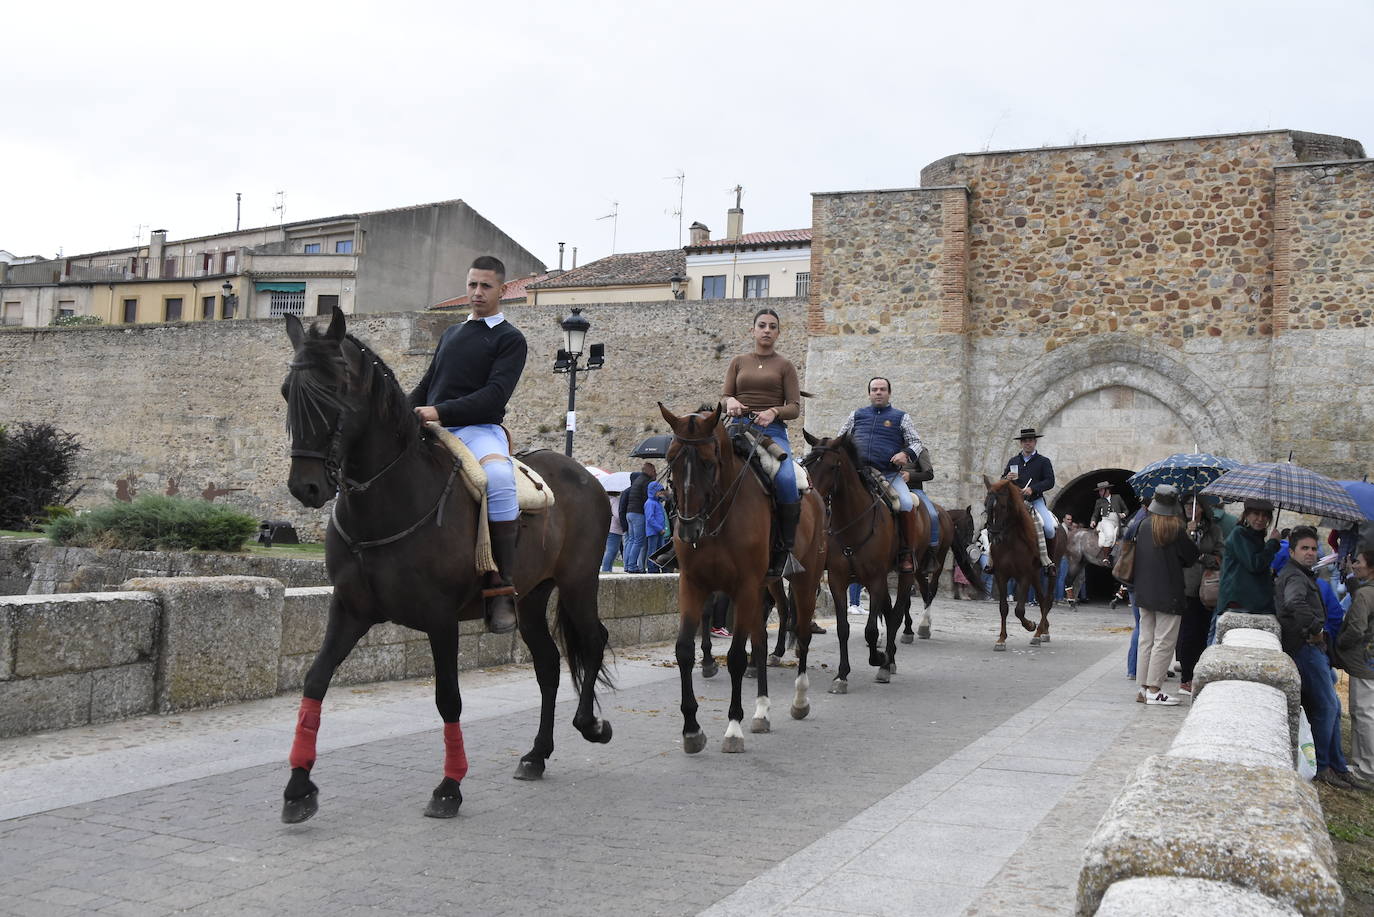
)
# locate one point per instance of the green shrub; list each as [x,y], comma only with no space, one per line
[37,462]
[155,522]
[66,321]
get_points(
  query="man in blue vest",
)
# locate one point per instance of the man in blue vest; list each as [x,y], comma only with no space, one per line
[1034,474]
[887,440]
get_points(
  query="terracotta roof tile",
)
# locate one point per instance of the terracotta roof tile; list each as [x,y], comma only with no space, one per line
[629,269]
[755,240]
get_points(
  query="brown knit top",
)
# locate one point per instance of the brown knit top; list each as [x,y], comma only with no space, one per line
[760,383]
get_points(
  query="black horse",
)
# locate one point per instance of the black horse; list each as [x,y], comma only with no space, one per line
[401,547]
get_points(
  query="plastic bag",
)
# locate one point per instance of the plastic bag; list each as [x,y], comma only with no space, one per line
[1307,752]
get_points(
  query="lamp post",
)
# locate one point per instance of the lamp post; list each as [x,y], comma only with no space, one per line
[676,282]
[231,301]
[575,328]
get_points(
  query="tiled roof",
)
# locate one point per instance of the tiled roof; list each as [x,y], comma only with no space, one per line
[515,292]
[754,240]
[629,269]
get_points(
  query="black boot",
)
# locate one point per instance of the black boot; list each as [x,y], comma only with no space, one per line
[499,597]
[782,563]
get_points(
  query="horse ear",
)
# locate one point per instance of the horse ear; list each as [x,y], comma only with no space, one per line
[987,482]
[668,416]
[810,440]
[295,331]
[337,326]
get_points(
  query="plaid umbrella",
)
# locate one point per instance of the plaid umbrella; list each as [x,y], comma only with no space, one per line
[1289,487]
[1363,494]
[1188,471]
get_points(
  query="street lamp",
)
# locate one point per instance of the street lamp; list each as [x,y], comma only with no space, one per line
[575,328]
[676,281]
[231,301]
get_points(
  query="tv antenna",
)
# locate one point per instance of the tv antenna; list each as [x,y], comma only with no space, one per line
[614,217]
[280,207]
[138,233]
[681,179]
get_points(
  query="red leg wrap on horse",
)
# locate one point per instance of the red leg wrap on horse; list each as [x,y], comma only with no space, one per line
[455,758]
[307,728]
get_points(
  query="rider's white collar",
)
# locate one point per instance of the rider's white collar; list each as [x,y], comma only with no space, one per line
[491,320]
[1025,458]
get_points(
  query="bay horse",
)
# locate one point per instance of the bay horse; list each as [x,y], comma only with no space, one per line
[401,547]
[957,532]
[863,546]
[1015,554]
[722,541]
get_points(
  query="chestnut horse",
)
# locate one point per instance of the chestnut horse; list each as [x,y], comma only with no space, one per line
[862,549]
[1016,555]
[401,545]
[722,540]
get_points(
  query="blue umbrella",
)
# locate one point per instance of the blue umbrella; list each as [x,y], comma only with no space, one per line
[1362,492]
[1187,471]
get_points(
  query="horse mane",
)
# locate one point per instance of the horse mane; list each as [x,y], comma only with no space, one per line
[846,445]
[393,404]
[1019,509]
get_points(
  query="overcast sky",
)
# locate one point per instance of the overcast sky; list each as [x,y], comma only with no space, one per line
[543,115]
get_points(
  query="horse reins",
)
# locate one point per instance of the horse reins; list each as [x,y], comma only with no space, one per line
[729,494]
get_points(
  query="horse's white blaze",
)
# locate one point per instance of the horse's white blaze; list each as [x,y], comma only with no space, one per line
[733,731]
[803,685]
[761,708]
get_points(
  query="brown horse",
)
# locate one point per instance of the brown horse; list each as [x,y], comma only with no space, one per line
[400,547]
[956,534]
[862,549]
[1015,554]
[722,540]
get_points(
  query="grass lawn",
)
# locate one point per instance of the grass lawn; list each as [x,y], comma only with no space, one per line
[22,534]
[1350,821]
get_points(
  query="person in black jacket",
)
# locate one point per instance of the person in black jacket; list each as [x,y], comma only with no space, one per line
[632,517]
[1034,474]
[469,381]
[1162,550]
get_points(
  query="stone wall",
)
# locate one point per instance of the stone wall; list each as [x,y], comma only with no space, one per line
[172,644]
[196,408]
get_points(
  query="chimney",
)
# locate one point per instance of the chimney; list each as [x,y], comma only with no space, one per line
[699,233]
[574,257]
[734,217]
[559,269]
[156,243]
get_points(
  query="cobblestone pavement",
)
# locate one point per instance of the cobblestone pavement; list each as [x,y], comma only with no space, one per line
[966,786]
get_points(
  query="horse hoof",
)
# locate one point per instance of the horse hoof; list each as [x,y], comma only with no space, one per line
[883,676]
[751,672]
[799,713]
[709,671]
[443,806]
[1034,641]
[527,770]
[732,745]
[999,647]
[892,667]
[1028,626]
[693,742]
[295,811]
[774,661]
[1044,638]
[760,724]
[908,638]
[923,632]
[603,735]
[839,686]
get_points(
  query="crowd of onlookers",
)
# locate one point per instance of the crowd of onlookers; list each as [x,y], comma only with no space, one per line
[639,523]
[1193,561]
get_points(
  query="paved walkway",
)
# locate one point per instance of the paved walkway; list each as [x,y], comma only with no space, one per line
[967,786]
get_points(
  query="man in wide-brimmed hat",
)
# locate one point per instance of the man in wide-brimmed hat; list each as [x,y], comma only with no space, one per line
[1034,474]
[1108,506]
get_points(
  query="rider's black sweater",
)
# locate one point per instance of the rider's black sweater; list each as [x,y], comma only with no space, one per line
[473,373]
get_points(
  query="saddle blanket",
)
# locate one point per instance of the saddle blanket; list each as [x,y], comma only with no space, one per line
[531,492]
[770,458]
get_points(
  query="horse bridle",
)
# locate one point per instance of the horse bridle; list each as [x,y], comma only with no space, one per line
[730,491]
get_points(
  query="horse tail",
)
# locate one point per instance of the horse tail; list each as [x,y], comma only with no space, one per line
[966,567]
[567,632]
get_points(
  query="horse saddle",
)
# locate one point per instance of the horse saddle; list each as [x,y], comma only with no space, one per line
[531,491]
[766,457]
[882,488]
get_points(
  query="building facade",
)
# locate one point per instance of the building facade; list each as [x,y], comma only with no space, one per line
[379,261]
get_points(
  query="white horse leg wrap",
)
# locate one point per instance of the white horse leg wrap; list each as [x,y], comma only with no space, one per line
[733,731]
[761,708]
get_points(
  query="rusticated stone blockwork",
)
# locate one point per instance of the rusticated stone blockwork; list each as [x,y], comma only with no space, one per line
[1325,214]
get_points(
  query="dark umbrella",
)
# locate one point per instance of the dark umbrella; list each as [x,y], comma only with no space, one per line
[1287,486]
[655,446]
[1362,492]
[1187,471]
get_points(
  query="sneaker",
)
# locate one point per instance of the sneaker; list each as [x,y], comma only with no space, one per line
[855,611]
[1355,782]
[1332,779]
[1186,688]
[1130,676]
[816,628]
[719,632]
[1160,699]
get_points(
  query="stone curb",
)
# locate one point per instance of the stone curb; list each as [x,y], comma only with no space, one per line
[1238,722]
[1243,663]
[1257,827]
[1234,619]
[1167,896]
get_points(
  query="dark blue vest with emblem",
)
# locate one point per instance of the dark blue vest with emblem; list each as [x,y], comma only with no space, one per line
[878,435]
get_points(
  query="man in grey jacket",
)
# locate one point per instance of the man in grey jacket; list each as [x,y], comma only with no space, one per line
[1302,616]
